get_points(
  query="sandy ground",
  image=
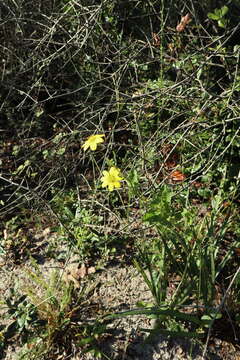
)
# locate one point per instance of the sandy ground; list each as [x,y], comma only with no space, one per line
[119,288]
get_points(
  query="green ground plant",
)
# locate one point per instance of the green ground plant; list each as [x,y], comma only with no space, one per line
[184,267]
[52,316]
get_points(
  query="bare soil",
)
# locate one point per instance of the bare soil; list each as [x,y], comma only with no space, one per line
[119,288]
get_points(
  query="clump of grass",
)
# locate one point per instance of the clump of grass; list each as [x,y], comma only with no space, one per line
[52,317]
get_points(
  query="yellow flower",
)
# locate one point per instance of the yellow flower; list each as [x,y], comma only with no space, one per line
[93,141]
[111,178]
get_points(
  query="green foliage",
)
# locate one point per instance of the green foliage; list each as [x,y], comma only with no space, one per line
[166,101]
[133,184]
[219,16]
[51,313]
[21,310]
[185,257]
[80,228]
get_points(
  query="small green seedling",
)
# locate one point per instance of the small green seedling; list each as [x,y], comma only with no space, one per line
[219,16]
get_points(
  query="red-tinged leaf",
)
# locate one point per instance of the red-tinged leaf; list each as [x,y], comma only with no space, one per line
[177,176]
[197,184]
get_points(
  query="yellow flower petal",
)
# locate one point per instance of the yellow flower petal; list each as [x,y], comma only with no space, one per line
[93,141]
[111,178]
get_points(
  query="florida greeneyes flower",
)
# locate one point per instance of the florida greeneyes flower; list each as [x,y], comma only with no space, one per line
[111,178]
[93,141]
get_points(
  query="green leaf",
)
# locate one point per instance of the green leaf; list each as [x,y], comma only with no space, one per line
[223,11]
[39,111]
[86,341]
[191,335]
[61,151]
[218,15]
[155,311]
[222,23]
[133,182]
[213,16]
[209,318]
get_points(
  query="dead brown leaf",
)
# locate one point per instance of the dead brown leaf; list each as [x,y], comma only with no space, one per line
[183,23]
[74,273]
[156,39]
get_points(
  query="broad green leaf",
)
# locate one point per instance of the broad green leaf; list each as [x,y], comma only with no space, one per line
[213,16]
